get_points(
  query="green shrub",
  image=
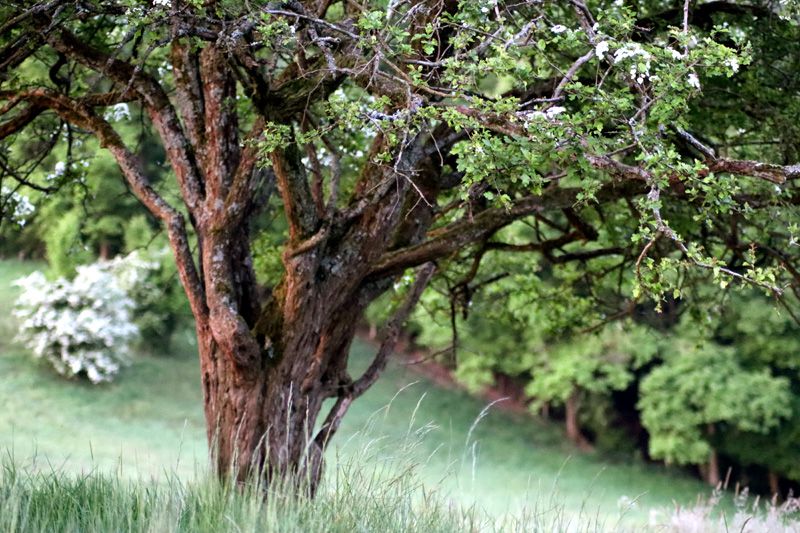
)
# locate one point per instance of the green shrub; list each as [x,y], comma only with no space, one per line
[161,306]
[65,247]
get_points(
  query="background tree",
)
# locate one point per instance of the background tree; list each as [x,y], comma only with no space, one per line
[517,328]
[686,401]
[763,341]
[397,135]
[589,369]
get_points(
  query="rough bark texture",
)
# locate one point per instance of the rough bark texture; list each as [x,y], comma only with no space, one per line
[262,417]
[269,363]
[261,411]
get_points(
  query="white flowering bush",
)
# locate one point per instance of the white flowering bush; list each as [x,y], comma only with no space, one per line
[83,327]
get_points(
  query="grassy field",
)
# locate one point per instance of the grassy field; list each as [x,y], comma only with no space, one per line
[149,424]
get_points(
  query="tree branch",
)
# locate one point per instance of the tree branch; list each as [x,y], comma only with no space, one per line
[189,91]
[393,329]
[293,186]
[83,116]
[455,236]
[155,99]
[777,174]
[220,151]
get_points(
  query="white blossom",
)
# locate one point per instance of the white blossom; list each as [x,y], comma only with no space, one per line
[548,114]
[601,49]
[674,53]
[558,28]
[639,68]
[164,69]
[82,327]
[16,206]
[58,170]
[693,80]
[631,50]
[118,112]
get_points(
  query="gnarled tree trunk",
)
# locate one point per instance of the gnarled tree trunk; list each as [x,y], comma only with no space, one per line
[270,361]
[261,418]
[261,412]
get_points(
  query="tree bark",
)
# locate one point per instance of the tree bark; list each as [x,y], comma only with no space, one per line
[712,470]
[260,418]
[713,476]
[774,484]
[573,428]
[261,412]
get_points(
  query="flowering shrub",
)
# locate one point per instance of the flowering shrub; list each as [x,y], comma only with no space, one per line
[83,327]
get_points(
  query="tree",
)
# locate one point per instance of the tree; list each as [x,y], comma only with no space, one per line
[686,400]
[591,367]
[398,136]
[763,341]
[549,367]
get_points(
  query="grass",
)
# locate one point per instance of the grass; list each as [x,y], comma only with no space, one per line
[508,461]
[361,494]
[52,501]
[149,425]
